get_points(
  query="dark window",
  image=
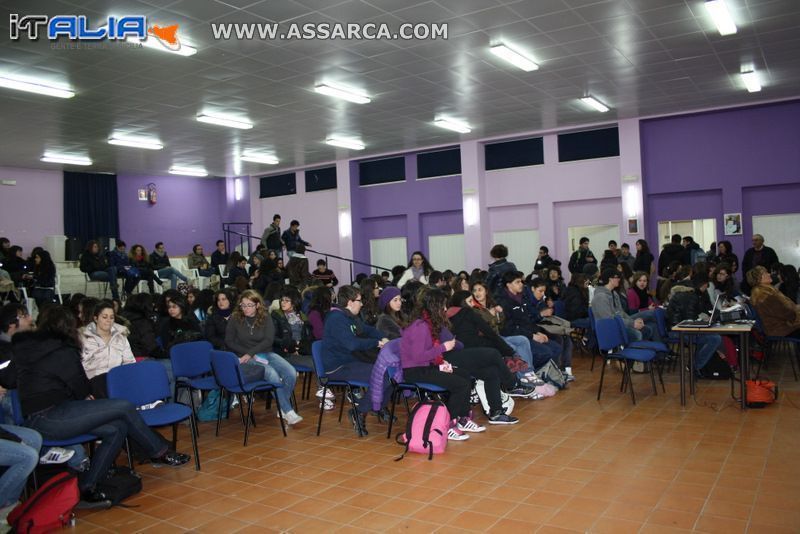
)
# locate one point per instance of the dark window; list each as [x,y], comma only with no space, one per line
[382,171]
[588,145]
[278,185]
[439,163]
[514,154]
[321,179]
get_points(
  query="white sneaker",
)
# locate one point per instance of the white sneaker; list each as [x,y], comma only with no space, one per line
[56,455]
[329,405]
[292,418]
[454,434]
[152,405]
[235,401]
[328,394]
[466,424]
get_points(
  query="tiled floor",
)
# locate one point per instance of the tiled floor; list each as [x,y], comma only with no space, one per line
[571,465]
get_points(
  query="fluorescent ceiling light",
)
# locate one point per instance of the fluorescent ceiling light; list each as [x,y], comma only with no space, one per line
[149,144]
[38,87]
[751,81]
[188,171]
[514,57]
[69,159]
[252,157]
[452,124]
[182,49]
[353,144]
[221,120]
[344,92]
[721,16]
[594,104]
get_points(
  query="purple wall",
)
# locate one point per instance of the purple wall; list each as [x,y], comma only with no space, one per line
[414,208]
[188,211]
[32,209]
[704,165]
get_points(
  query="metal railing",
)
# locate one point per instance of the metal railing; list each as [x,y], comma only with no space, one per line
[245,246]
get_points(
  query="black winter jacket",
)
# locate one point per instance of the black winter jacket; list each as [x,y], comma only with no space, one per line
[518,316]
[686,303]
[91,263]
[470,329]
[215,330]
[49,371]
[576,306]
[142,336]
[284,343]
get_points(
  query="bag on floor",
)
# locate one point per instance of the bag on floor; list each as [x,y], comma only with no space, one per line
[546,390]
[761,393]
[210,408]
[49,508]
[716,369]
[120,483]
[552,374]
[426,431]
[507,400]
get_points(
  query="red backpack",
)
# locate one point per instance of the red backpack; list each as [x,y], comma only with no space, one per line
[49,508]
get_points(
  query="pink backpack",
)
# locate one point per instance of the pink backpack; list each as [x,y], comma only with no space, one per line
[426,432]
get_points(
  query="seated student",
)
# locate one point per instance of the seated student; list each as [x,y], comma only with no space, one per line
[347,345]
[19,455]
[780,315]
[557,329]
[324,275]
[689,302]
[321,302]
[639,298]
[139,259]
[105,346]
[180,325]
[159,262]
[419,268]
[429,353]
[576,301]
[722,284]
[606,303]
[370,292]
[15,265]
[217,322]
[297,268]
[119,258]
[292,330]
[142,334]
[197,260]
[250,335]
[391,320]
[519,322]
[555,283]
[96,266]
[56,401]
[43,278]
[237,272]
[219,256]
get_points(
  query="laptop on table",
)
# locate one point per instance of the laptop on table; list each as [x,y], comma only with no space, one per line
[690,323]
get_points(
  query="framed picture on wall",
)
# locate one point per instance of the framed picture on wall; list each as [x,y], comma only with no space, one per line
[733,223]
[142,194]
[633,226]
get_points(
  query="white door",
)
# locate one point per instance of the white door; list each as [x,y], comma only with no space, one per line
[523,247]
[447,252]
[388,252]
[599,236]
[703,231]
[781,232]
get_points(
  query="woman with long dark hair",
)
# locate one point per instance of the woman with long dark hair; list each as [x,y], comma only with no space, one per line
[645,261]
[321,303]
[419,268]
[56,401]
[725,255]
[180,325]
[43,281]
[217,322]
[428,353]
[370,291]
[391,320]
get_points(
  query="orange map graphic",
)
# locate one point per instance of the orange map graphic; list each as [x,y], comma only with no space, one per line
[166,33]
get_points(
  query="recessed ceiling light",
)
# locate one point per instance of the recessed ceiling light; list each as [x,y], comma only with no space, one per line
[223,120]
[149,144]
[594,104]
[718,10]
[181,49]
[351,94]
[69,159]
[353,144]
[751,81]
[452,124]
[35,86]
[515,58]
[252,157]
[188,171]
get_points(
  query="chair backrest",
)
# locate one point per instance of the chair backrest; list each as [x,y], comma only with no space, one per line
[608,334]
[191,359]
[16,408]
[140,383]
[226,369]
[316,355]
[661,322]
[623,330]
[759,326]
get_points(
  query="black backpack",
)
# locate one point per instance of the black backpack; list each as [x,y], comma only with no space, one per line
[120,483]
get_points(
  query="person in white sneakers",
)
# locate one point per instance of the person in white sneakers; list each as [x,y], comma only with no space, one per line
[250,335]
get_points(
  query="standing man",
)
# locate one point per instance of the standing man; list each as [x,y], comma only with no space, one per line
[271,238]
[581,257]
[219,256]
[291,238]
[757,255]
[672,251]
[625,256]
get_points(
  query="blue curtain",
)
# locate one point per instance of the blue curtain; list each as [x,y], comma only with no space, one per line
[90,205]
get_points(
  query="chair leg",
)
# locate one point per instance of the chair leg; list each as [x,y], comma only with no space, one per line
[128,453]
[652,378]
[241,408]
[602,375]
[174,436]
[630,381]
[223,397]
[321,408]
[294,401]
[280,412]
[191,401]
[395,392]
[345,395]
[250,400]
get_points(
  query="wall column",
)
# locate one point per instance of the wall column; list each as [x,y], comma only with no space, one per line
[630,166]
[476,221]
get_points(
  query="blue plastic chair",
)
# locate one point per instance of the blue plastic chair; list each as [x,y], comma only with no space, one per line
[610,342]
[191,367]
[144,383]
[656,346]
[326,383]
[229,379]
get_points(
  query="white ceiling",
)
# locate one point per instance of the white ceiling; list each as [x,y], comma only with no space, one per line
[640,57]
